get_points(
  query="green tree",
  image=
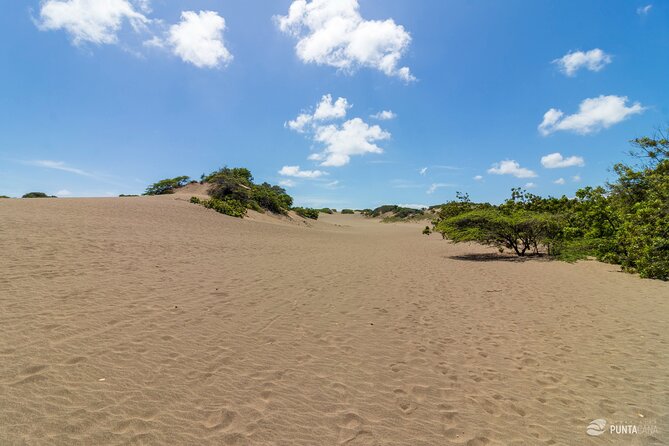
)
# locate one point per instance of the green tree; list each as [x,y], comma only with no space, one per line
[521,231]
[166,186]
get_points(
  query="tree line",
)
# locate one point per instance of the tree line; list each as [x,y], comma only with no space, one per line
[625,222]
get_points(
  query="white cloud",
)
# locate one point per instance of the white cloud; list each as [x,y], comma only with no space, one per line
[334,33]
[576,178]
[434,186]
[331,184]
[384,115]
[325,110]
[287,183]
[593,60]
[63,193]
[92,21]
[511,167]
[530,185]
[59,165]
[353,137]
[198,39]
[340,141]
[478,177]
[559,181]
[296,172]
[423,171]
[593,115]
[556,161]
[644,10]
[298,124]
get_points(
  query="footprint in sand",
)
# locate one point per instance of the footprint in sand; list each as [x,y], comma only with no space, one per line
[352,431]
[220,419]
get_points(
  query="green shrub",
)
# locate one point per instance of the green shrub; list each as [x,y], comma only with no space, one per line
[166,186]
[307,213]
[4,196]
[228,206]
[128,195]
[383,209]
[237,184]
[325,210]
[273,198]
[37,195]
[427,230]
[195,200]
[347,211]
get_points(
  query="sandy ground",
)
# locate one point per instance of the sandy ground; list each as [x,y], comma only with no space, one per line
[154,321]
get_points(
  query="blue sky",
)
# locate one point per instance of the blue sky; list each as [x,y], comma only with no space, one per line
[103,100]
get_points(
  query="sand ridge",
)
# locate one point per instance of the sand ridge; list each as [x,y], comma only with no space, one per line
[149,320]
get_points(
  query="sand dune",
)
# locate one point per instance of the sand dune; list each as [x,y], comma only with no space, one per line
[150,320]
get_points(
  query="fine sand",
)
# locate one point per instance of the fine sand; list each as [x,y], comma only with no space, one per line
[154,321]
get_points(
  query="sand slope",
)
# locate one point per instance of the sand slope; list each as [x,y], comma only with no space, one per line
[150,320]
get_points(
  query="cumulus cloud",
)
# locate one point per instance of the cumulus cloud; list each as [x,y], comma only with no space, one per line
[423,171]
[339,141]
[325,110]
[353,137]
[644,10]
[556,161]
[334,33]
[63,193]
[91,21]
[559,181]
[296,172]
[198,39]
[384,115]
[593,60]
[511,167]
[593,115]
[287,183]
[478,177]
[576,178]
[530,185]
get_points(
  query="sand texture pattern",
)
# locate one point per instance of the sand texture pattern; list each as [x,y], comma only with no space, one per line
[154,321]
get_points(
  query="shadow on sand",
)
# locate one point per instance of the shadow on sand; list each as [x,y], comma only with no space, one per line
[495,257]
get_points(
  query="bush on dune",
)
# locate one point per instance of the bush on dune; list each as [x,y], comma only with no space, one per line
[37,195]
[233,191]
[347,211]
[307,213]
[166,186]
[272,198]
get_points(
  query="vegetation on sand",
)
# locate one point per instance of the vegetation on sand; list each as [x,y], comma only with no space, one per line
[166,186]
[37,195]
[626,222]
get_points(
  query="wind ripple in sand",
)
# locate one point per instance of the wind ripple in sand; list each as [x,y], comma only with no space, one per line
[152,321]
